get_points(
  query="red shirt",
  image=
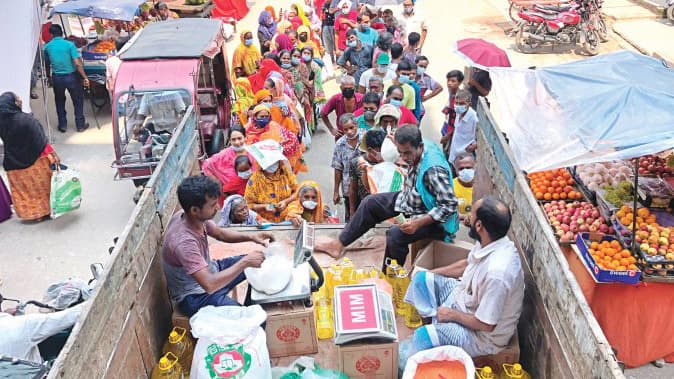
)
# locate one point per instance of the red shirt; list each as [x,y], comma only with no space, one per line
[336,103]
[341,28]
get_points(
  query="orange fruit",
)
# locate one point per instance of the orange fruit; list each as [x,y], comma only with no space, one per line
[632,260]
[624,262]
[625,254]
[539,195]
[632,267]
[562,196]
[547,196]
[555,196]
[594,245]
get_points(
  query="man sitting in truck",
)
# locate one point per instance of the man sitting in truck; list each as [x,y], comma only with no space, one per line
[193,279]
[475,303]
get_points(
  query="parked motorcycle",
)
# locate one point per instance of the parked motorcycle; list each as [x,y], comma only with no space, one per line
[572,25]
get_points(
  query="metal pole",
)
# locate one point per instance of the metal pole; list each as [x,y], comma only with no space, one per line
[43,77]
[634,210]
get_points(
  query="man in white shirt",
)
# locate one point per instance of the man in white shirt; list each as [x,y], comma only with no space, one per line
[475,303]
[465,127]
[412,20]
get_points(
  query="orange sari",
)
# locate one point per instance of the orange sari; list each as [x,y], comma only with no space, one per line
[274,131]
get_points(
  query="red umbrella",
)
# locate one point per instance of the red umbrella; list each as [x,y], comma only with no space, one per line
[481,53]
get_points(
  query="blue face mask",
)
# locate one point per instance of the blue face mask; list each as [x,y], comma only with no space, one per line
[295,61]
[248,42]
[396,103]
[365,28]
[466,175]
[262,122]
[306,58]
[286,65]
[460,109]
[421,70]
[351,43]
[404,79]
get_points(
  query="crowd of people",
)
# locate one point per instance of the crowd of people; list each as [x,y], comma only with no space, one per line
[383,84]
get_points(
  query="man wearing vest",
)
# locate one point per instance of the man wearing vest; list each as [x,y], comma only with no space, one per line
[426,202]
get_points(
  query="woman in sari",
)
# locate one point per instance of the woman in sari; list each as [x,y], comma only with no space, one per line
[27,158]
[272,12]
[246,57]
[281,110]
[222,166]
[270,190]
[282,42]
[262,127]
[307,205]
[267,65]
[244,99]
[306,38]
[265,30]
[317,93]
[235,211]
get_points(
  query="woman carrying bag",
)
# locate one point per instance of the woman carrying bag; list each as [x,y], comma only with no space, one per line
[28,157]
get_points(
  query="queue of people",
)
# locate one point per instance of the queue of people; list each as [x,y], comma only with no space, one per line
[377,113]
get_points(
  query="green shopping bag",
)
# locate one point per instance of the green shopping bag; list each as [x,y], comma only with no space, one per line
[66,192]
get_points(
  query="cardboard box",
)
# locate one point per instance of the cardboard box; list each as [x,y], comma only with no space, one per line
[291,330]
[599,274]
[368,360]
[438,254]
[509,355]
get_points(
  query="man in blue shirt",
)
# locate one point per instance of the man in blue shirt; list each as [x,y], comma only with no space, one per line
[66,72]
[366,34]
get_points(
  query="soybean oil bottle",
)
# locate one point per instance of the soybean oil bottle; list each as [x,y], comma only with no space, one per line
[325,326]
[347,269]
[181,345]
[400,285]
[408,311]
[485,373]
[514,371]
[168,368]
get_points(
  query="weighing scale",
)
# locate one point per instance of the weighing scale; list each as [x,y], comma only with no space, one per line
[301,283]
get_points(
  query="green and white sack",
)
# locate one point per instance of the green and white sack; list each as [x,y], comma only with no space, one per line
[66,192]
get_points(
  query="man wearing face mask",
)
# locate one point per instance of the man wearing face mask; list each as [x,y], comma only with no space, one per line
[476,302]
[357,57]
[347,101]
[381,71]
[464,139]
[412,21]
[346,149]
[426,203]
[366,114]
[463,183]
[403,78]
[366,34]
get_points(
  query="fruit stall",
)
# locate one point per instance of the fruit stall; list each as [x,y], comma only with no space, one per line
[603,184]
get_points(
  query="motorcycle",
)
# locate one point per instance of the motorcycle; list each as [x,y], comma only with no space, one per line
[670,10]
[572,25]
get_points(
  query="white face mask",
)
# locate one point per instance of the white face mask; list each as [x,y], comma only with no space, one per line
[271,169]
[238,148]
[467,175]
[382,68]
[309,204]
[244,174]
[389,151]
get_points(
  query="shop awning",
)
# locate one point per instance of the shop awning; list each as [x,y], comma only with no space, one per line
[613,106]
[123,10]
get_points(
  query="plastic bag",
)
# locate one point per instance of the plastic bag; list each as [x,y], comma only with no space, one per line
[305,368]
[65,294]
[231,343]
[385,177]
[306,136]
[276,270]
[66,192]
[440,353]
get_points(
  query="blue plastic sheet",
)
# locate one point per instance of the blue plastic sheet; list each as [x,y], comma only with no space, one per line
[122,10]
[613,106]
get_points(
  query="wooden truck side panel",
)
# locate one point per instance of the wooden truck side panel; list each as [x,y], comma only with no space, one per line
[121,332]
[559,335]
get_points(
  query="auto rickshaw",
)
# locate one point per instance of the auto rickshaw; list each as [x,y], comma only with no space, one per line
[167,67]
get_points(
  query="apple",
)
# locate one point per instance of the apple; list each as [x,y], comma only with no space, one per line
[644,247]
[603,228]
[669,256]
[652,251]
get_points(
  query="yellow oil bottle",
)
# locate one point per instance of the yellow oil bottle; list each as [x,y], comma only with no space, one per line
[392,267]
[485,373]
[514,371]
[347,268]
[168,368]
[325,326]
[402,281]
[180,343]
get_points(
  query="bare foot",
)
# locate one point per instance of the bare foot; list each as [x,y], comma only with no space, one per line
[333,247]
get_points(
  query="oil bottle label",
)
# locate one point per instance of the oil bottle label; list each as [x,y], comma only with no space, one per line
[229,361]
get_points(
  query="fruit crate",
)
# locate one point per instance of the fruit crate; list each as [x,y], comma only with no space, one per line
[559,241]
[666,200]
[601,275]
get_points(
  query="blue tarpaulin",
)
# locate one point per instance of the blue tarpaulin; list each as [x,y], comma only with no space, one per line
[123,10]
[613,106]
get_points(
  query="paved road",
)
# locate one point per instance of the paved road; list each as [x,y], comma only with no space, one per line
[35,255]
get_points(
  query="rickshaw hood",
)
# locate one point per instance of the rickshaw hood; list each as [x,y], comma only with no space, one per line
[157,74]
